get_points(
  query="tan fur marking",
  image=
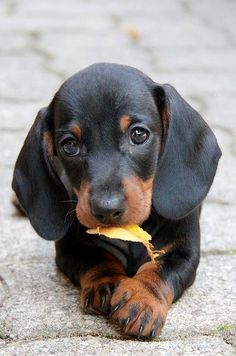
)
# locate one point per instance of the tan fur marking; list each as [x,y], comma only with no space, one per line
[147,292]
[83,211]
[48,140]
[125,122]
[75,128]
[99,272]
[165,120]
[138,195]
[149,272]
[103,278]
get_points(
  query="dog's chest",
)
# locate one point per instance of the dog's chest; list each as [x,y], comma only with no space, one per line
[131,254]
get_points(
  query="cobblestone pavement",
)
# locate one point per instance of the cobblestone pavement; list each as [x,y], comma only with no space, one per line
[192,45]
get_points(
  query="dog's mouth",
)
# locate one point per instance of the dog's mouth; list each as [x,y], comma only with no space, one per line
[137,205]
[89,221]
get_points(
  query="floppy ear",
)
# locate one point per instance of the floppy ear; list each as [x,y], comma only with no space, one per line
[39,190]
[188,158]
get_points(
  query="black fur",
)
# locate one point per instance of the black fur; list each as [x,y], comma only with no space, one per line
[182,154]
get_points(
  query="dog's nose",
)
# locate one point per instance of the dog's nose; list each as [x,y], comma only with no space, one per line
[108,211]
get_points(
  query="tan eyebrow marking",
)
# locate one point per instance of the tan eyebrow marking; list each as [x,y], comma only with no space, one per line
[48,140]
[75,128]
[125,122]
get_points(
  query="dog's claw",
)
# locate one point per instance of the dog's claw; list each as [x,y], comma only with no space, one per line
[153,333]
[127,321]
[103,303]
[115,308]
[140,331]
[87,301]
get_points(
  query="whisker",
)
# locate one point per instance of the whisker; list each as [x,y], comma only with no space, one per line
[69,213]
[72,220]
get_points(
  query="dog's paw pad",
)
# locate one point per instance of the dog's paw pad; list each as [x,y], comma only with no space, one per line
[96,296]
[139,312]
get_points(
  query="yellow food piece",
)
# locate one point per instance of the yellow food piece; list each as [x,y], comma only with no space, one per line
[133,233]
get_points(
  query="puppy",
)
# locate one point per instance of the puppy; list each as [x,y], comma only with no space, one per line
[115,148]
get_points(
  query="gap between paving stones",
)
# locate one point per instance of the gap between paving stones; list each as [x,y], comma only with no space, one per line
[91,346]
[10,341]
[63,304]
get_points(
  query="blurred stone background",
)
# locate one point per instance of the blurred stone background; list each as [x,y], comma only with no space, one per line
[190,44]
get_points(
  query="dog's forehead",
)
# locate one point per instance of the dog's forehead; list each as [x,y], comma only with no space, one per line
[103,92]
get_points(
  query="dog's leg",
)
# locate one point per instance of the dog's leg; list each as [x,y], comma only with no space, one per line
[94,270]
[140,304]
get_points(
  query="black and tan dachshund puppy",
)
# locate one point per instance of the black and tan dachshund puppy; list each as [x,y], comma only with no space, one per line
[115,148]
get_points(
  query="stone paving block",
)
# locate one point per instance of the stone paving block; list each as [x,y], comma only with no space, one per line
[93,8]
[198,83]
[13,44]
[223,16]
[10,145]
[38,301]
[25,79]
[219,110]
[218,226]
[151,10]
[2,7]
[16,117]
[17,235]
[100,346]
[209,304]
[223,188]
[196,59]
[31,20]
[84,49]
[6,208]
[192,33]
[71,8]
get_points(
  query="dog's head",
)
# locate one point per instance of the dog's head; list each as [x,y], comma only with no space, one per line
[122,143]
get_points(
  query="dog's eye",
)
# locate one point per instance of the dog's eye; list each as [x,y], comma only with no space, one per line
[71,147]
[139,135]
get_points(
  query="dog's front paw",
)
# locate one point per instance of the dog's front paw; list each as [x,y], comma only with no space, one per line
[96,294]
[139,307]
